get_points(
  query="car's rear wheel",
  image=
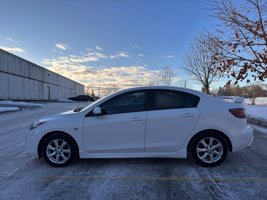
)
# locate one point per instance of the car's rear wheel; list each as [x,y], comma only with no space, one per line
[209,149]
[59,150]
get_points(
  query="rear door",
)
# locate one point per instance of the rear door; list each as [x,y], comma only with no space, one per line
[172,116]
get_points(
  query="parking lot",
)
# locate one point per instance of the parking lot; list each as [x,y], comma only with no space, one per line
[243,175]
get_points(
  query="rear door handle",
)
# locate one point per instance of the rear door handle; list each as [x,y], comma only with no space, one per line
[136,119]
[188,115]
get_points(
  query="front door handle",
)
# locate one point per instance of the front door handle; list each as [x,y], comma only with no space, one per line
[137,119]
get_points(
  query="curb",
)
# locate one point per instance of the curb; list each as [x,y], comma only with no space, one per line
[257,122]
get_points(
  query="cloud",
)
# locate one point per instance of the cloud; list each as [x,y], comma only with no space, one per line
[89,55]
[117,76]
[122,54]
[136,46]
[79,68]
[170,56]
[13,49]
[62,46]
[140,55]
[99,48]
[10,39]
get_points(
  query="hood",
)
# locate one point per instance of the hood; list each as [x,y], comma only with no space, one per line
[61,115]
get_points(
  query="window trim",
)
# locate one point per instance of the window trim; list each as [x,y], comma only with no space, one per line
[149,100]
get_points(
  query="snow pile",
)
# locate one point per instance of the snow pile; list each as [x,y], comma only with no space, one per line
[19,104]
[257,112]
[248,102]
[8,109]
[261,101]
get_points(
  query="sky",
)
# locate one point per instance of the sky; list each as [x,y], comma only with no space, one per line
[112,43]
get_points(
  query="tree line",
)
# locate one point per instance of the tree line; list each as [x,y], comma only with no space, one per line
[251,91]
[236,49]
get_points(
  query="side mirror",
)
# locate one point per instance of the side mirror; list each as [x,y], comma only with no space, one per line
[97,111]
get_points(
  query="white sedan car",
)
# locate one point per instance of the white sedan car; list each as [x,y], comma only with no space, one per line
[143,122]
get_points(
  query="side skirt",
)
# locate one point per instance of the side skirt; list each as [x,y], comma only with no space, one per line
[182,153]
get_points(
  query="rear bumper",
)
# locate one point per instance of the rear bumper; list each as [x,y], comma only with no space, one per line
[251,141]
[243,139]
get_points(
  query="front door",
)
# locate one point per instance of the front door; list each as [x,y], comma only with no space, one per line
[121,127]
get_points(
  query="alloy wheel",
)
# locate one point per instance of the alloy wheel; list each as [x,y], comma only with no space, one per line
[209,150]
[58,151]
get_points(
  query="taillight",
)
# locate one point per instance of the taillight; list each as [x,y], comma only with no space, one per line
[238,112]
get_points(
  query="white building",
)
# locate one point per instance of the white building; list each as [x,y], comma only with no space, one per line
[23,80]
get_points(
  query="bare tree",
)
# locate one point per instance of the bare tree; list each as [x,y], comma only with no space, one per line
[166,76]
[198,63]
[241,39]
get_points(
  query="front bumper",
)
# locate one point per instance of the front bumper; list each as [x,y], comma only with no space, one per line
[32,141]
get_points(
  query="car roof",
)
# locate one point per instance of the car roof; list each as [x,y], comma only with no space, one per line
[162,88]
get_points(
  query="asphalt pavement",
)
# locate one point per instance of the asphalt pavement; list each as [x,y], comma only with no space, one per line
[243,175]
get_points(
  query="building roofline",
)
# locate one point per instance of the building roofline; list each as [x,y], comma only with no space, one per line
[39,66]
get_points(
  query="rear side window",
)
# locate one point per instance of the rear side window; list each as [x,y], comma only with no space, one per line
[191,100]
[168,99]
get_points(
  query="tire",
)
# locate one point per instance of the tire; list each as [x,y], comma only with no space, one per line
[59,150]
[208,149]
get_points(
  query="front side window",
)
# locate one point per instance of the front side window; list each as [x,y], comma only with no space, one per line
[167,99]
[125,103]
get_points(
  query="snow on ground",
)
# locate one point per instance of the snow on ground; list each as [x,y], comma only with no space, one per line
[258,112]
[247,102]
[8,109]
[7,103]
[65,100]
[261,101]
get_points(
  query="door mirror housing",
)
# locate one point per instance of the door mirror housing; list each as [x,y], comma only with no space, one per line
[97,111]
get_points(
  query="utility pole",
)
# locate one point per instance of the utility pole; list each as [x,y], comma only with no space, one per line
[98,91]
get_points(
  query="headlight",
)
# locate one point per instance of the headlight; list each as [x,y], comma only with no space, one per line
[36,124]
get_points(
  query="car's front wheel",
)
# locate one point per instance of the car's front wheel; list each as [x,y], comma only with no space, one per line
[59,150]
[209,149]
